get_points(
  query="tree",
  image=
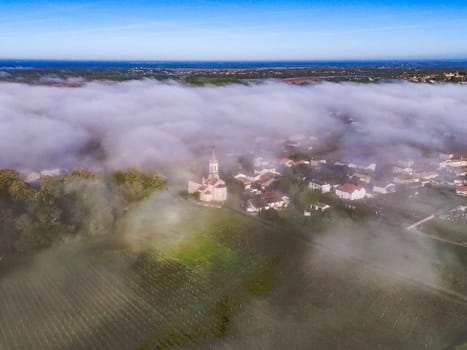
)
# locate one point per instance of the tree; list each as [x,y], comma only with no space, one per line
[133,185]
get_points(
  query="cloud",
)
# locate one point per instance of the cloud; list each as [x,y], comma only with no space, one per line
[152,124]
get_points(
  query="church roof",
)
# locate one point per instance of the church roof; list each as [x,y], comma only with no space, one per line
[213,180]
[196,179]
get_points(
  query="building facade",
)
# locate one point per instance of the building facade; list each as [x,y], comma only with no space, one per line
[350,192]
[212,188]
[319,185]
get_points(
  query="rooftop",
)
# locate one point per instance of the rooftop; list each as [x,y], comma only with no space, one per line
[349,188]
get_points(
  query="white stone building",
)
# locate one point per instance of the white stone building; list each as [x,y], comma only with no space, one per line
[319,185]
[461,191]
[320,207]
[350,192]
[212,188]
[269,200]
[384,188]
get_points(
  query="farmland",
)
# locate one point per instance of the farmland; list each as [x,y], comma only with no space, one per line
[207,278]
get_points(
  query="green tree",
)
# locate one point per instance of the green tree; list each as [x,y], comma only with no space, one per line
[134,185]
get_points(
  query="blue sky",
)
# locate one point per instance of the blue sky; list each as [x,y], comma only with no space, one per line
[233,30]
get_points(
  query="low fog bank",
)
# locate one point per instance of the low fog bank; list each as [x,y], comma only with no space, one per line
[153,125]
[357,278]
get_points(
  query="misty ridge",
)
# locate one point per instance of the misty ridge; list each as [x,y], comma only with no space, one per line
[154,125]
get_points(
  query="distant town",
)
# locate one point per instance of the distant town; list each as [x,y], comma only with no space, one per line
[74,74]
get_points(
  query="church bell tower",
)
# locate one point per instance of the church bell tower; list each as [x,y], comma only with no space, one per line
[213,164]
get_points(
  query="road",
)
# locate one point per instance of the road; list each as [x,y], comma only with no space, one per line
[444,240]
[428,218]
[413,229]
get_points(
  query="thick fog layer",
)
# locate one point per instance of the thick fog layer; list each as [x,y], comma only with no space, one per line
[148,123]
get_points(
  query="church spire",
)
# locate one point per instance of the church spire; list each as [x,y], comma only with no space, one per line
[213,155]
[213,164]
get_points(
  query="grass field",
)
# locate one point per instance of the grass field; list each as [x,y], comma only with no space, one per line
[192,277]
[456,232]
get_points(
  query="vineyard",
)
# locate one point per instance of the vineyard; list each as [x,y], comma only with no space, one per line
[119,298]
[239,284]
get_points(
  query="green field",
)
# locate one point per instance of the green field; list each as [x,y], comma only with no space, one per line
[175,275]
[456,232]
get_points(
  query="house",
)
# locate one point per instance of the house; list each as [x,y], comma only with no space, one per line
[269,200]
[426,176]
[404,171]
[286,161]
[454,163]
[384,188]
[52,172]
[290,163]
[406,179]
[212,188]
[362,177]
[34,178]
[461,191]
[260,181]
[319,185]
[459,171]
[275,199]
[266,177]
[445,156]
[245,180]
[370,167]
[320,207]
[301,162]
[317,162]
[261,162]
[350,192]
[255,205]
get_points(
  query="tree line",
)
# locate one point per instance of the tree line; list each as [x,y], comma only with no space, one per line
[80,202]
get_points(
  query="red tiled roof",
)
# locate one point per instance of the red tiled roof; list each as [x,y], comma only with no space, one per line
[349,188]
[243,179]
[272,197]
[212,181]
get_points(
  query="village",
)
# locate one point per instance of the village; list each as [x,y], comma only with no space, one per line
[316,186]
[296,181]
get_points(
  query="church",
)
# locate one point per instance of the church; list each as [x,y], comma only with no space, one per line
[212,188]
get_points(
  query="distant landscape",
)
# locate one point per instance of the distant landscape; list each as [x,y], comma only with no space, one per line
[220,73]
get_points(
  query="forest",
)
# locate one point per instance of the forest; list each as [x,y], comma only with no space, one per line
[80,202]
